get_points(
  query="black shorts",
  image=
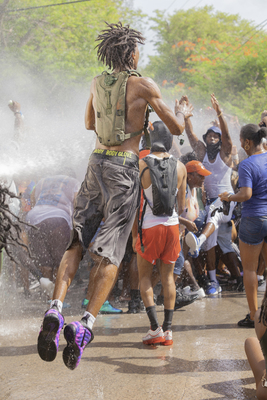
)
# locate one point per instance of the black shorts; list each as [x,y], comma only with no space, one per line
[49,242]
[110,190]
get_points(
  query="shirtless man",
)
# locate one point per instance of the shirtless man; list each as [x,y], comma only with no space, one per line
[110,189]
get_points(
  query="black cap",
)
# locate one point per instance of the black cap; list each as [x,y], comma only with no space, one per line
[160,137]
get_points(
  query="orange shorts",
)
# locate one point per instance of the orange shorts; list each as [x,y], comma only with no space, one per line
[161,242]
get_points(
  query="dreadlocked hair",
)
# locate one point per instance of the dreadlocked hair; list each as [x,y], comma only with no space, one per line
[263,313]
[10,228]
[117,43]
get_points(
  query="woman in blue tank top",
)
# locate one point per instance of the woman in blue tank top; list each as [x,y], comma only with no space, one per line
[253,225]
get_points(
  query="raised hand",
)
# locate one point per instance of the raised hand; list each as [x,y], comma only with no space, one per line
[14,106]
[184,107]
[215,104]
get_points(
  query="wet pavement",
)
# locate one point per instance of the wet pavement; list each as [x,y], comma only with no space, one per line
[206,361]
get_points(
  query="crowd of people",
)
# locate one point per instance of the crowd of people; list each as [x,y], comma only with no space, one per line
[141,210]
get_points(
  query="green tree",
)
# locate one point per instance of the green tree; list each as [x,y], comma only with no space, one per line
[56,44]
[200,52]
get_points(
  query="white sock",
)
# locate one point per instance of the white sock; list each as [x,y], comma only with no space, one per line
[201,239]
[56,303]
[212,275]
[90,319]
[260,277]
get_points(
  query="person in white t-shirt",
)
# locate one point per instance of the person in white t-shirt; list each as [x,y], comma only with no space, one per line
[52,215]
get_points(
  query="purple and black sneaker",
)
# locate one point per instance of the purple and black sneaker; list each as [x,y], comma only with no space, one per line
[78,336]
[48,338]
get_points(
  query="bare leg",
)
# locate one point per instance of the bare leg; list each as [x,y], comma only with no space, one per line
[105,275]
[189,277]
[91,282]
[261,267]
[167,280]
[66,271]
[134,279]
[211,259]
[145,269]
[209,229]
[250,259]
[232,262]
[255,359]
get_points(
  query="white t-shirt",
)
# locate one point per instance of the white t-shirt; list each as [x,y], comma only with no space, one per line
[54,199]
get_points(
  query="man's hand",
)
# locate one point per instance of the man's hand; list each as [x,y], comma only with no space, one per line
[14,106]
[184,107]
[224,196]
[215,104]
[191,226]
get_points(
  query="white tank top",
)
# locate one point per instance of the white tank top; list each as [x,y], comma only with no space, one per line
[151,220]
[220,179]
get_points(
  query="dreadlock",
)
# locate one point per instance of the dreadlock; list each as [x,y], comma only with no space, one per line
[117,43]
[10,228]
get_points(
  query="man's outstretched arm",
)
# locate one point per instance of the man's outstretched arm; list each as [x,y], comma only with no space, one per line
[175,122]
[226,138]
[196,144]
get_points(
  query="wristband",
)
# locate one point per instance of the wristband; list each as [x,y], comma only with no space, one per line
[219,115]
[179,112]
[17,112]
[228,196]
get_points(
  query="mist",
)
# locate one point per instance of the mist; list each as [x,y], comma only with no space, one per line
[54,138]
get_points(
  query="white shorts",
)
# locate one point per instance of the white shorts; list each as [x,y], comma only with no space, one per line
[218,219]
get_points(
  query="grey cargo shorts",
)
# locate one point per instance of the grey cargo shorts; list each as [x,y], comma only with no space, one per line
[110,190]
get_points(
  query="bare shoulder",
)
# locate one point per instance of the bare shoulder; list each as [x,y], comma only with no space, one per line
[149,85]
[181,167]
[142,165]
[145,87]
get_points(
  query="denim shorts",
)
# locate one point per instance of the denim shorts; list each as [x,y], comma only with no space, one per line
[253,230]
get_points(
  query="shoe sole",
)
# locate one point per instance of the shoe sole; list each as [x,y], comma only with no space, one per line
[167,343]
[184,303]
[134,311]
[216,292]
[191,242]
[46,346]
[72,352]
[246,326]
[110,312]
[154,340]
[212,294]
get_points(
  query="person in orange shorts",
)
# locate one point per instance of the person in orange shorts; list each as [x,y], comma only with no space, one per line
[158,236]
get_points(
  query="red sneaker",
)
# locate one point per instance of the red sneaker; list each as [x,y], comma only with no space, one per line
[156,336]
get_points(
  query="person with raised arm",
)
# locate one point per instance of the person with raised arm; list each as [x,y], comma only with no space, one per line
[116,110]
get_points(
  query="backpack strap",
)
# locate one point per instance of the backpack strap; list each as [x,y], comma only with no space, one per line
[141,219]
[149,109]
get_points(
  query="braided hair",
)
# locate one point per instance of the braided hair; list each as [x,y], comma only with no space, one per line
[10,224]
[253,132]
[117,43]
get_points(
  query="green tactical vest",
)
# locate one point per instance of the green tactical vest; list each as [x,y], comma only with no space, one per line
[110,103]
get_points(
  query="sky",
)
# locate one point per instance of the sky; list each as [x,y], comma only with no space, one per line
[252,10]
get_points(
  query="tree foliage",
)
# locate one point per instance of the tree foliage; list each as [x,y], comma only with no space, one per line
[200,52]
[59,41]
